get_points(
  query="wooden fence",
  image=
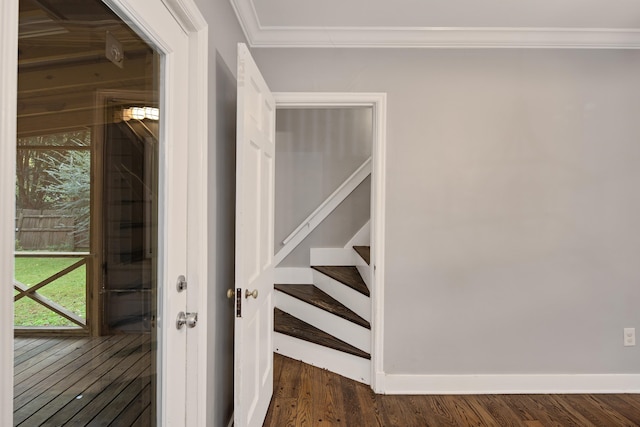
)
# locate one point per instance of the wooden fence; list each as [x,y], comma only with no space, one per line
[38,230]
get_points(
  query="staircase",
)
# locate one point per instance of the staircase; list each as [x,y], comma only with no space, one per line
[326,323]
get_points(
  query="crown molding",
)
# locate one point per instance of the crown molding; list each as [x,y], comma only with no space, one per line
[259,35]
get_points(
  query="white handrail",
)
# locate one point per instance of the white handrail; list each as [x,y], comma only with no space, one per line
[325,208]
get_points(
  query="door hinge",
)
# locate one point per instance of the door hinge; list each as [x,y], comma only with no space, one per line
[239,302]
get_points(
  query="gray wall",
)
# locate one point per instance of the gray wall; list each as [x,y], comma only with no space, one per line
[316,150]
[224,34]
[512,202]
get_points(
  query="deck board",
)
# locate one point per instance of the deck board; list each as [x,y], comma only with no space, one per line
[42,359]
[86,381]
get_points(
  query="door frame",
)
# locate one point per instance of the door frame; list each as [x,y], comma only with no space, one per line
[188,16]
[378,102]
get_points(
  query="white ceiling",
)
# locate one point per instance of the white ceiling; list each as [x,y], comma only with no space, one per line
[441,23]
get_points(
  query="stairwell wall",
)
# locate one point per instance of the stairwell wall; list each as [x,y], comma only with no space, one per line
[316,150]
[511,203]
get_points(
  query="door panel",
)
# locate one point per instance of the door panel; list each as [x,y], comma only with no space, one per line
[254,244]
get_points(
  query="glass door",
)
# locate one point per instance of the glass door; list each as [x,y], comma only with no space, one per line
[86,243]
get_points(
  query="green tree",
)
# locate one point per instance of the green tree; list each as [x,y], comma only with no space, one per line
[70,190]
[56,178]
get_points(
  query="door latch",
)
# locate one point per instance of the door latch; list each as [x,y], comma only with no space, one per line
[189,319]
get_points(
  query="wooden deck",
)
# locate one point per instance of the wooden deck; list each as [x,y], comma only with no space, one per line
[307,396]
[83,381]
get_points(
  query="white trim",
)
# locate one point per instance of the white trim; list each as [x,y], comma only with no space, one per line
[247,17]
[190,19]
[378,236]
[260,35]
[511,384]
[434,37]
[8,97]
[193,23]
[378,191]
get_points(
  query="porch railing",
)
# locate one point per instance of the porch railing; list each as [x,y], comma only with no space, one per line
[26,291]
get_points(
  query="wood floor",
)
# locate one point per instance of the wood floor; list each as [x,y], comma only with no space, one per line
[82,381]
[308,396]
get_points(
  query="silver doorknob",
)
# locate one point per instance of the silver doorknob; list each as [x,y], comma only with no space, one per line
[189,319]
[253,294]
[231,293]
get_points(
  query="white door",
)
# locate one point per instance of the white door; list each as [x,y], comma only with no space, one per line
[255,159]
[182,142]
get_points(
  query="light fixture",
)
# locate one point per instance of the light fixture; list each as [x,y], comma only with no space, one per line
[152,113]
[140,113]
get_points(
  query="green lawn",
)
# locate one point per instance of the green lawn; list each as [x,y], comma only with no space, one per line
[68,291]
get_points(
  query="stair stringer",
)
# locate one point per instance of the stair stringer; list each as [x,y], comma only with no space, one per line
[364,269]
[332,324]
[347,365]
[354,300]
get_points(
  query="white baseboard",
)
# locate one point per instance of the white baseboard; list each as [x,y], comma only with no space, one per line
[293,275]
[507,384]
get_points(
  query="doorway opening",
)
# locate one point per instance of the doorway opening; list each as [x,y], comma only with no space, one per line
[86,218]
[356,200]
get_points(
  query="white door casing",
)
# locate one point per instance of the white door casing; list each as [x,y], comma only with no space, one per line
[8,97]
[255,158]
[178,31]
[378,102]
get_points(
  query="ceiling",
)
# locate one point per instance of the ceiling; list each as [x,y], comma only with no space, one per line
[441,23]
[62,63]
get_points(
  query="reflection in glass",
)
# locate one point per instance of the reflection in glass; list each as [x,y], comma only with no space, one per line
[86,218]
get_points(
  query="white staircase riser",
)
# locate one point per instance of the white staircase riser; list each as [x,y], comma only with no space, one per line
[293,275]
[331,256]
[340,328]
[358,303]
[347,365]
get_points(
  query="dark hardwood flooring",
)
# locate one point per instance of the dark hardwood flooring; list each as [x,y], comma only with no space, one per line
[316,297]
[83,381]
[345,274]
[289,325]
[308,396]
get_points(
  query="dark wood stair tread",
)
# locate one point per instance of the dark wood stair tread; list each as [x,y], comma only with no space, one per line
[287,324]
[364,252]
[348,275]
[318,298]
